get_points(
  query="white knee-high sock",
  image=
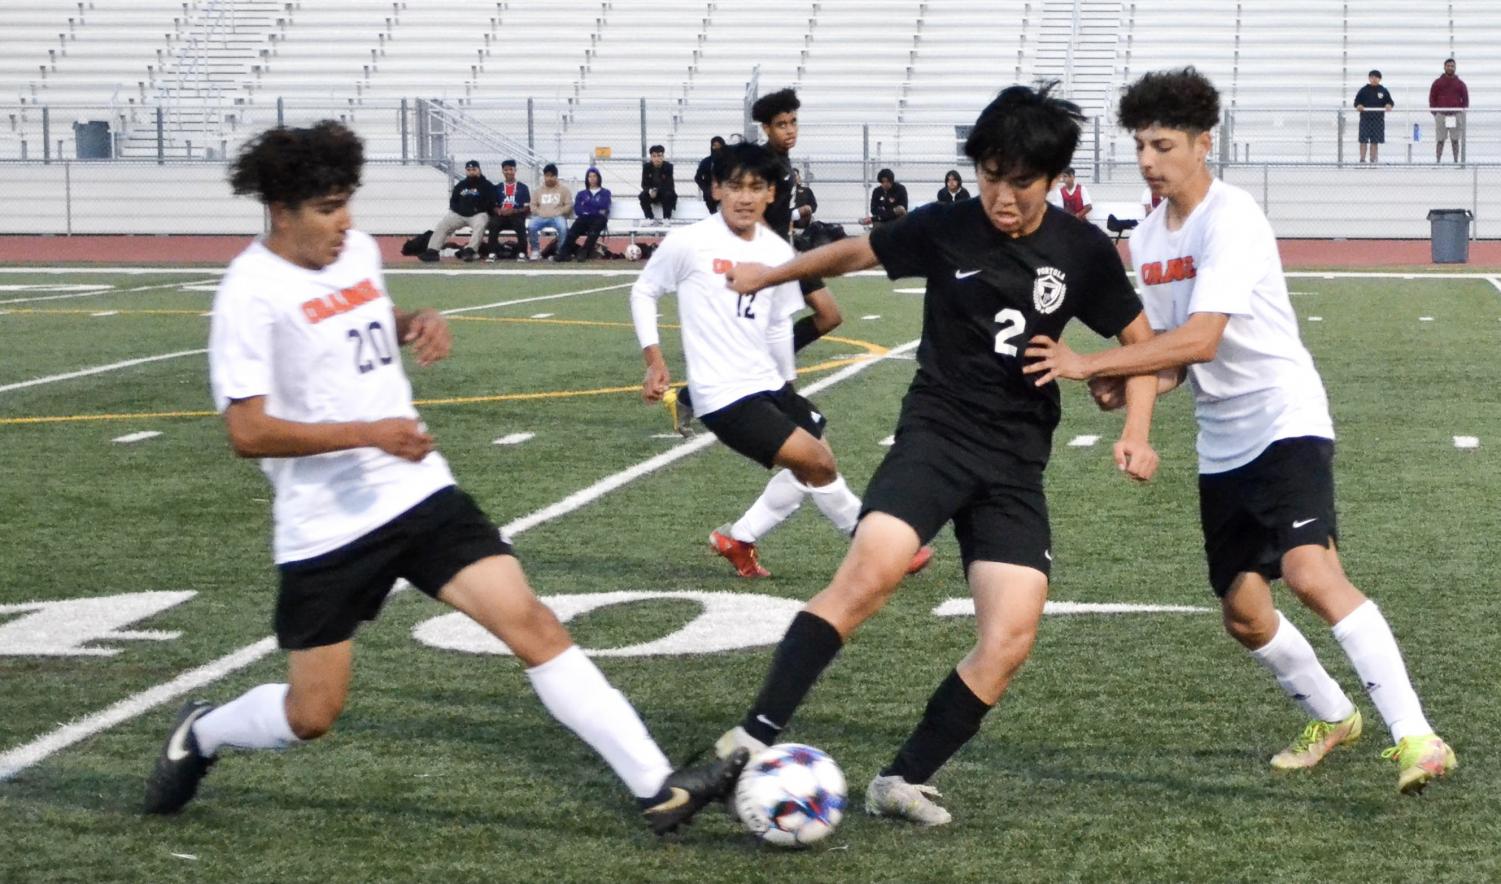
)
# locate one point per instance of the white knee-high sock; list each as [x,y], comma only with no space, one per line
[1290,658]
[578,695]
[839,503]
[257,719]
[782,497]
[1371,647]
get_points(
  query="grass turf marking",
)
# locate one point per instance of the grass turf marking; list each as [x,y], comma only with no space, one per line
[137,437]
[98,369]
[24,756]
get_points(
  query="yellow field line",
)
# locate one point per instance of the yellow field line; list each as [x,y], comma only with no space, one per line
[827,365]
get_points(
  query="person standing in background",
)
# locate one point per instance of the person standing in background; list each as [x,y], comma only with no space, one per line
[1447,98]
[1373,101]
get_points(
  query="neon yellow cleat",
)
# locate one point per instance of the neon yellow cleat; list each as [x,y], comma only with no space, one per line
[1422,759]
[679,412]
[1318,739]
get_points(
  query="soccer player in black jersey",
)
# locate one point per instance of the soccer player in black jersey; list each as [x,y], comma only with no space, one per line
[777,114]
[974,434]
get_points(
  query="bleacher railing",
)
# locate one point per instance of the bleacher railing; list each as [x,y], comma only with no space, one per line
[1302,164]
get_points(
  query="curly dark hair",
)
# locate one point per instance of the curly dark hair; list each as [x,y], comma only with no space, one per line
[769,105]
[291,166]
[1181,99]
[1027,130]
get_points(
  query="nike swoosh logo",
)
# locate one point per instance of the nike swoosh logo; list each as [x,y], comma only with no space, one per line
[965,274]
[1304,522]
[177,747]
[680,798]
[768,722]
[1047,554]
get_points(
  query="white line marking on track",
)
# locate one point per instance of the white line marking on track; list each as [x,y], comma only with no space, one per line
[1083,441]
[98,369]
[542,315]
[105,313]
[15,760]
[514,439]
[137,437]
[1466,441]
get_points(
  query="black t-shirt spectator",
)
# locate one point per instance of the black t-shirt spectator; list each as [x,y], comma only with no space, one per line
[987,295]
[803,197]
[1372,98]
[472,196]
[883,202]
[945,197]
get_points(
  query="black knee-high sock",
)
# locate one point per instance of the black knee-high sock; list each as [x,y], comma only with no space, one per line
[810,645]
[804,332]
[953,716]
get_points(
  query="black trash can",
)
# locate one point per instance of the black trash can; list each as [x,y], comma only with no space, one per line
[92,139]
[1450,229]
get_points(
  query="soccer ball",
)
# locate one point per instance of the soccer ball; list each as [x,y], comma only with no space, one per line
[791,795]
[633,252]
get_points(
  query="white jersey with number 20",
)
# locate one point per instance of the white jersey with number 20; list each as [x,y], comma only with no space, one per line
[321,346]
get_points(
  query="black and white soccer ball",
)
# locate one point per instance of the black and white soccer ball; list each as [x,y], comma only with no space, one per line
[791,795]
[633,252]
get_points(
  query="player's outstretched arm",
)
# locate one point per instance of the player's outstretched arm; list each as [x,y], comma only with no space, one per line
[1134,454]
[427,332]
[254,433]
[835,259]
[1195,341]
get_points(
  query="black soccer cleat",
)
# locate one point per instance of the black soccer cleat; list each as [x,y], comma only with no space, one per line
[181,766]
[688,789]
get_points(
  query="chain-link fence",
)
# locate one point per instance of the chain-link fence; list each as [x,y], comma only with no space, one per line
[105,168]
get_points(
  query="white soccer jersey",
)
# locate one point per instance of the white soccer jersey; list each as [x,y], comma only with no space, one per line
[1261,385]
[727,337]
[321,346]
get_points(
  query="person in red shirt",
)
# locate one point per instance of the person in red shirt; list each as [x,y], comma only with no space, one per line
[1447,98]
[1071,196]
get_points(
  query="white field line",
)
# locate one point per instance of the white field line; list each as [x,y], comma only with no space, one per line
[24,756]
[111,290]
[1495,281]
[137,437]
[115,366]
[606,288]
[98,369]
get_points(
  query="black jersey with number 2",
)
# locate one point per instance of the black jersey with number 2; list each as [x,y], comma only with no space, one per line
[987,295]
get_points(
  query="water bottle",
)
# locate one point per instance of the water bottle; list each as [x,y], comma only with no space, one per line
[1415,133]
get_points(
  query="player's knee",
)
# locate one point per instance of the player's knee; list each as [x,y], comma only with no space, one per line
[1251,632]
[818,470]
[311,720]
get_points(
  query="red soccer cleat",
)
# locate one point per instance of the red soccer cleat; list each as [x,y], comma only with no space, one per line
[921,560]
[741,554]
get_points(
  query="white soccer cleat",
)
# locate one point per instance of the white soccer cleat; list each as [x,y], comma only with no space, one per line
[897,798]
[737,738]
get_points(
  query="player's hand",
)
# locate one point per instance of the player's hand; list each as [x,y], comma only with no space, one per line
[747,278]
[1053,359]
[1108,393]
[1136,459]
[657,380]
[427,332]
[402,437]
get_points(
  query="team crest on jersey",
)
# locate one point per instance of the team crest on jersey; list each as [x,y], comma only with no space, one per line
[1048,289]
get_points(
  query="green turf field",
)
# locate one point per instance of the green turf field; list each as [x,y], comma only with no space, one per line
[1132,747]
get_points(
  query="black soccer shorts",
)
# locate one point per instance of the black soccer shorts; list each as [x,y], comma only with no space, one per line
[323,600]
[997,504]
[758,425]
[1252,515]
